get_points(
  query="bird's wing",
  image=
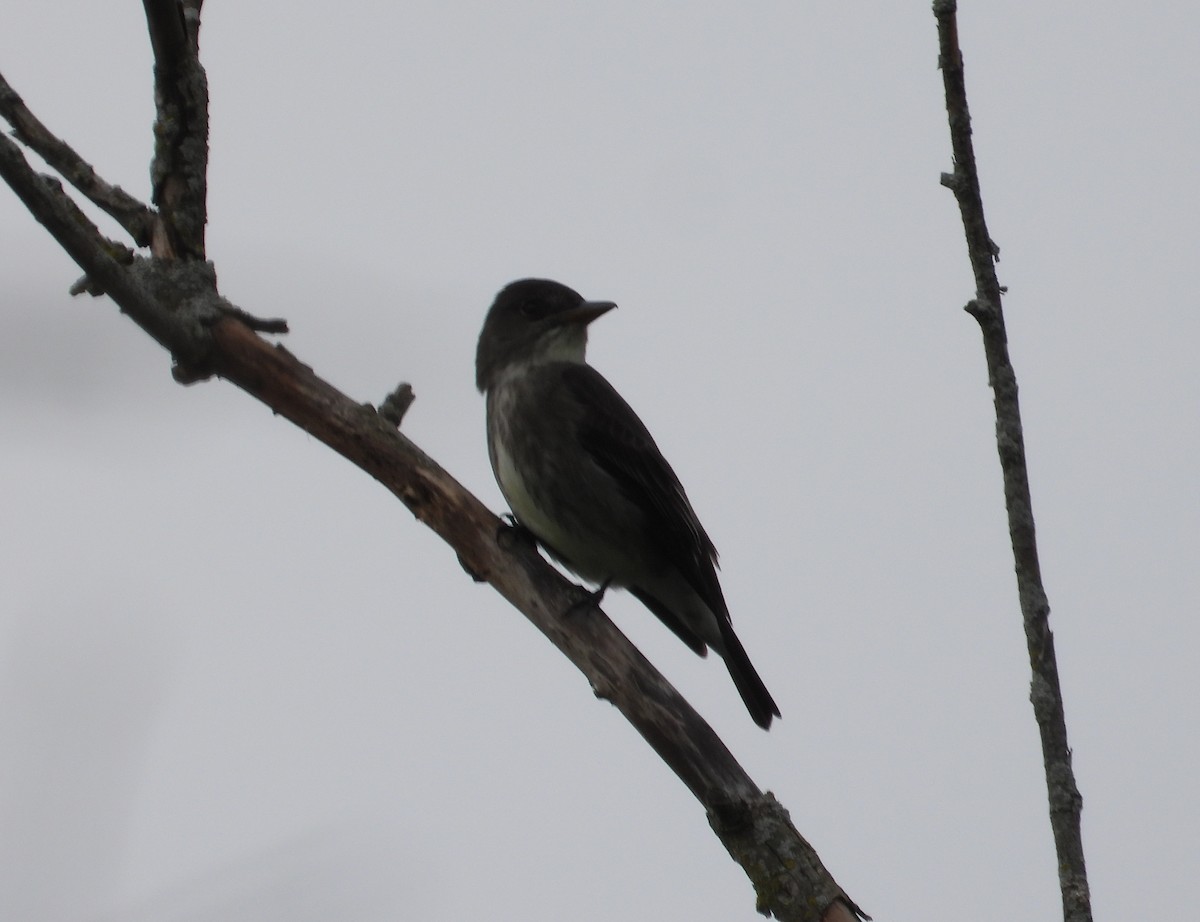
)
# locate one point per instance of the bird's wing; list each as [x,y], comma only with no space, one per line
[622,446]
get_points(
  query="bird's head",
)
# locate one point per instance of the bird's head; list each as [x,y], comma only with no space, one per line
[533,321]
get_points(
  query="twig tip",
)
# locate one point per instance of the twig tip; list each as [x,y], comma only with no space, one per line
[396,404]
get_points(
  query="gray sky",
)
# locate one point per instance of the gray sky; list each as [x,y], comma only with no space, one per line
[238,681]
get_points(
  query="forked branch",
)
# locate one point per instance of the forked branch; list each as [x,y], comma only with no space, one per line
[173,296]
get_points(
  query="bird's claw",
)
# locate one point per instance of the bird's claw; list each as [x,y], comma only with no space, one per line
[512,533]
[588,600]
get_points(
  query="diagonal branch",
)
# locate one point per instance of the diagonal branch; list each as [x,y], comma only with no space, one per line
[1045,693]
[55,211]
[131,214]
[176,302]
[174,298]
[786,871]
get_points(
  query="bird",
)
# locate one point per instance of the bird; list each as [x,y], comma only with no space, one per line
[582,473]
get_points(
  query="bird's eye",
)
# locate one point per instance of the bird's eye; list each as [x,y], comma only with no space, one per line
[533,310]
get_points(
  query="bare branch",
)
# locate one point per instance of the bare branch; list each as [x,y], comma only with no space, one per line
[61,217]
[180,166]
[176,302]
[191,17]
[787,873]
[258,324]
[134,216]
[174,298]
[396,404]
[168,32]
[1046,694]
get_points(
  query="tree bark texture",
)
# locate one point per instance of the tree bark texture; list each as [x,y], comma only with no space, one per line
[1066,803]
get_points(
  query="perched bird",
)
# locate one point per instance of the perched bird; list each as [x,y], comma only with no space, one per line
[581,472]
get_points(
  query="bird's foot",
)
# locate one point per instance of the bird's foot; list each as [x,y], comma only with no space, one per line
[588,599]
[512,533]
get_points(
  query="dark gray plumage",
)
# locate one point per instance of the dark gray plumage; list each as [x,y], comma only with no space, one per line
[582,473]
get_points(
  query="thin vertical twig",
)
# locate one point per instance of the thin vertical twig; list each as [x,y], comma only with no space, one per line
[179,171]
[1045,692]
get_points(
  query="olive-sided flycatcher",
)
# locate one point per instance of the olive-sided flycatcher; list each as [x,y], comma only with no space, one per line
[581,472]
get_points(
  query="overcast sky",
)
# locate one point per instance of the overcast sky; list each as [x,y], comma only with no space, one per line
[238,681]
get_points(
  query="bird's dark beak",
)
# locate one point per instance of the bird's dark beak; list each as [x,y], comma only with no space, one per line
[584,313]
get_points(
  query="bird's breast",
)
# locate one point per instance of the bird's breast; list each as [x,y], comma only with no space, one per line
[552,486]
[520,459]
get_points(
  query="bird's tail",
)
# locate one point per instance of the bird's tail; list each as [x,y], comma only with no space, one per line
[759,703]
